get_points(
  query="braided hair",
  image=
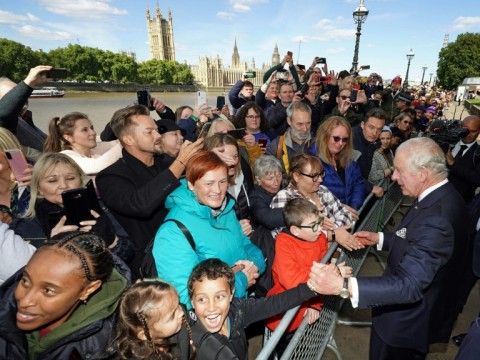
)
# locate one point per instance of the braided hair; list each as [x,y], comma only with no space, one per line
[90,249]
[138,310]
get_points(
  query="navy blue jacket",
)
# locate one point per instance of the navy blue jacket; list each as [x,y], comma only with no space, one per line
[415,300]
[365,160]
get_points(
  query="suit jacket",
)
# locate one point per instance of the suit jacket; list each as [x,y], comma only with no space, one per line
[415,300]
[465,173]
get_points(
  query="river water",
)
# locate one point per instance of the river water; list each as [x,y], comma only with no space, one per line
[100,106]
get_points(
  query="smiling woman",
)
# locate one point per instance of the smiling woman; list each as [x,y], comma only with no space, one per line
[74,135]
[202,205]
[72,302]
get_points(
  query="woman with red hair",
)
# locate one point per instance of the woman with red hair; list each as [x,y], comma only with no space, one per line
[201,204]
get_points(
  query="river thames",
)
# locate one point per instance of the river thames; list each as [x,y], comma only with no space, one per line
[100,106]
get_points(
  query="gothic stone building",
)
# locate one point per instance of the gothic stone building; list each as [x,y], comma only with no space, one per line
[160,35]
[211,73]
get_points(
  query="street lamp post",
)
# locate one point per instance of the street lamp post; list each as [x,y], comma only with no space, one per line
[410,56]
[423,75]
[359,15]
[430,82]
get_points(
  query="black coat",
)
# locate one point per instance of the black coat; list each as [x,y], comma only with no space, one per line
[260,201]
[136,195]
[464,174]
[244,312]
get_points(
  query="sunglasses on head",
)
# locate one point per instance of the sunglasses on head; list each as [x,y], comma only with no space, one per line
[338,138]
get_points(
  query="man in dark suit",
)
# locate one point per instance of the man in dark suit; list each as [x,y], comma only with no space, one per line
[135,187]
[415,300]
[464,160]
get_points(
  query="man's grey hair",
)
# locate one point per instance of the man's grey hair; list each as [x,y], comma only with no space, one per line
[265,165]
[297,106]
[424,152]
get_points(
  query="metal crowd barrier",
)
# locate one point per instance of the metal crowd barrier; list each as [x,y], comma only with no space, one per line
[310,341]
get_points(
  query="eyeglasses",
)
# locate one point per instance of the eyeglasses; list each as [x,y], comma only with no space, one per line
[250,117]
[315,177]
[344,97]
[313,226]
[338,138]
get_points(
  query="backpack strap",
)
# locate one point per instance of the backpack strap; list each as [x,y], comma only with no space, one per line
[185,232]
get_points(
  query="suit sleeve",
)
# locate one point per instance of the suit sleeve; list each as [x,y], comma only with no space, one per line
[430,245]
[470,173]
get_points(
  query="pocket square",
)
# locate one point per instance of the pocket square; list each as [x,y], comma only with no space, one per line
[402,233]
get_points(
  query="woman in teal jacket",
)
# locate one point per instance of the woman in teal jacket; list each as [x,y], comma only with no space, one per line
[201,204]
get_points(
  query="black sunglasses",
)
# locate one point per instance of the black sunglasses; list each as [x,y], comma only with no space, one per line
[338,138]
[314,177]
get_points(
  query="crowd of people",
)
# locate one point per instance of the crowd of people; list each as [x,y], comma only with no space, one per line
[234,207]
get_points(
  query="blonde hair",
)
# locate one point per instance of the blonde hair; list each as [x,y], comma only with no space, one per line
[322,138]
[44,165]
[213,127]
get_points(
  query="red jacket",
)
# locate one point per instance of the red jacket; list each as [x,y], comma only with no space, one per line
[291,266]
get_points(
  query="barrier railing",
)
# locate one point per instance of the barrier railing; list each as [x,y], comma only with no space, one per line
[310,341]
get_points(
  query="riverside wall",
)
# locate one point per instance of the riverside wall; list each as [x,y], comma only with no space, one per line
[101,87]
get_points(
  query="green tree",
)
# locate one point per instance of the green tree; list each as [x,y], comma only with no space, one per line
[458,60]
[16,59]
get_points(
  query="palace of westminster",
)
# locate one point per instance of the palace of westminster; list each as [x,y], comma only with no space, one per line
[210,72]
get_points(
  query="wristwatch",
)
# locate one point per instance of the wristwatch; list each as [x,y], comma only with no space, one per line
[344,293]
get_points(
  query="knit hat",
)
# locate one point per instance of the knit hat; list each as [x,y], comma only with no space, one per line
[387,128]
[420,107]
[431,109]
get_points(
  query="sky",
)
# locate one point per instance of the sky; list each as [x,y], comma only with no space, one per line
[308,28]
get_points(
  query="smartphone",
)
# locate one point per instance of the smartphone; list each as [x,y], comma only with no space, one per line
[77,204]
[353,95]
[320,60]
[365,67]
[18,163]
[237,133]
[220,102]
[281,74]
[356,86]
[326,78]
[201,98]
[250,74]
[144,98]
[238,267]
[262,142]
[289,53]
[57,73]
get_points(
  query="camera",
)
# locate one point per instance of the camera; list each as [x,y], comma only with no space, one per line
[250,74]
[320,60]
[446,133]
[325,78]
[144,98]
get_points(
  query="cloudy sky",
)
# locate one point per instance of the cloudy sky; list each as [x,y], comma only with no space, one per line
[209,27]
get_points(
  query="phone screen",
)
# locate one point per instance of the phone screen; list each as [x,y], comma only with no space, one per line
[353,96]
